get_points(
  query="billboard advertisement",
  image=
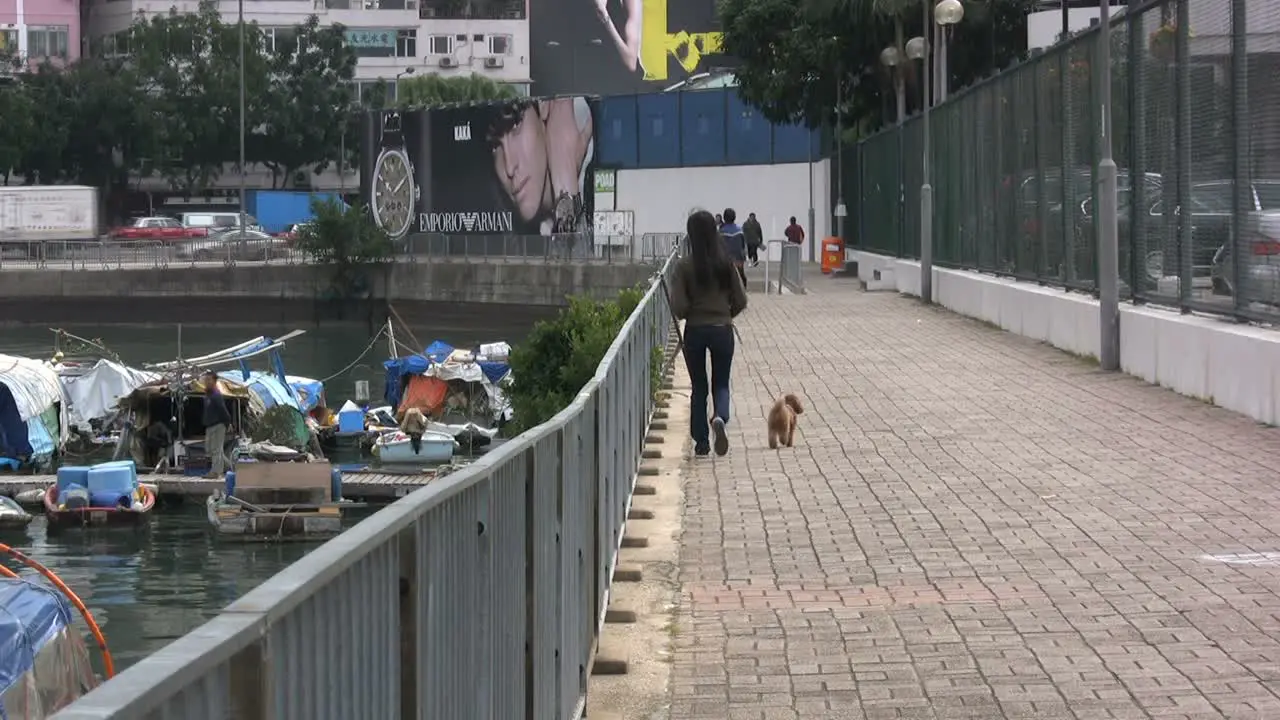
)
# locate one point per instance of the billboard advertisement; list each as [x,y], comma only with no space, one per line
[619,47]
[523,166]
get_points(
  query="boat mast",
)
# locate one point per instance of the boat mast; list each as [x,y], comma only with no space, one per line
[391,339]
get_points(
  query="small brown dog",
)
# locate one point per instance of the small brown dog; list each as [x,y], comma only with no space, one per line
[782,421]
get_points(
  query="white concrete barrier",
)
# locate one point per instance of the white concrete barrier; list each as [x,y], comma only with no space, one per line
[1213,359]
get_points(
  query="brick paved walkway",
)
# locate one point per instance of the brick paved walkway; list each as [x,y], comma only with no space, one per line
[972,525]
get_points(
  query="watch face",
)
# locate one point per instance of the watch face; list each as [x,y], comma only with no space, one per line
[393,193]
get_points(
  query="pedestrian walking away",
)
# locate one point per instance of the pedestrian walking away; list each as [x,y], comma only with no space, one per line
[707,293]
[735,242]
[794,233]
[755,238]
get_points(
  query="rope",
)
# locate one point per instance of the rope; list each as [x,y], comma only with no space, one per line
[355,362]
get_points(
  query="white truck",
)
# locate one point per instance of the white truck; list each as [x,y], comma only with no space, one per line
[43,220]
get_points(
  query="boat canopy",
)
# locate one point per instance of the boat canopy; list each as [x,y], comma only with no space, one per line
[31,615]
[96,393]
[33,406]
[310,392]
[443,361]
[266,386]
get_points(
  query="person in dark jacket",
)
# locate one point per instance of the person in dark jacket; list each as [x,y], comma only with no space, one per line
[794,233]
[217,419]
[735,242]
[707,294]
[755,238]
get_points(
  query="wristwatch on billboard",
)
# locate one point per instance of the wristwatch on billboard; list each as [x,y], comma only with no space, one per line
[567,209]
[394,195]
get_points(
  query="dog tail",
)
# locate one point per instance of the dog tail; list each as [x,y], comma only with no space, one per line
[794,402]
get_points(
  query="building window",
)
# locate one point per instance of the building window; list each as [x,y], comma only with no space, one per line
[279,39]
[406,43]
[9,42]
[440,45]
[47,41]
[499,44]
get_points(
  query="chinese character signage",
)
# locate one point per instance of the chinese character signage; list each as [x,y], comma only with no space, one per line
[366,38]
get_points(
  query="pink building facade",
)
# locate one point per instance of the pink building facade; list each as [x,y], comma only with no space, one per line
[39,29]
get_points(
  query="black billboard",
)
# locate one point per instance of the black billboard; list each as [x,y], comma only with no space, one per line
[523,166]
[619,47]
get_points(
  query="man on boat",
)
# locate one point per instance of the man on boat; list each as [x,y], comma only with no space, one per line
[217,418]
[413,425]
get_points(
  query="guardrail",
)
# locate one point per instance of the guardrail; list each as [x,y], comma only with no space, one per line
[109,254]
[788,261]
[477,596]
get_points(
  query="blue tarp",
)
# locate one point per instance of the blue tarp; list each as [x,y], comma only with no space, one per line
[435,353]
[266,386]
[13,428]
[309,392]
[30,616]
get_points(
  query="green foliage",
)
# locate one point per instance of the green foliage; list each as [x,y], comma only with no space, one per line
[163,99]
[435,89]
[348,241]
[800,59]
[560,356]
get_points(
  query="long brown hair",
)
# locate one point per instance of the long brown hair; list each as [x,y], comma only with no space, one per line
[707,252]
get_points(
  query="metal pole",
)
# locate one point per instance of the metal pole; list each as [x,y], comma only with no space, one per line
[813,242]
[839,155]
[1066,21]
[1108,230]
[944,79]
[1242,197]
[1182,145]
[899,87]
[242,166]
[926,189]
[342,163]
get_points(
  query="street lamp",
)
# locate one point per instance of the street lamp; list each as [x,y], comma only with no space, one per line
[243,180]
[946,14]
[402,73]
[891,57]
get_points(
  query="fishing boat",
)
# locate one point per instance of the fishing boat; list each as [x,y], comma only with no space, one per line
[278,501]
[12,515]
[44,662]
[107,494]
[397,448]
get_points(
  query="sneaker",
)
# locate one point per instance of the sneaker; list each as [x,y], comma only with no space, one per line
[722,438]
[702,450]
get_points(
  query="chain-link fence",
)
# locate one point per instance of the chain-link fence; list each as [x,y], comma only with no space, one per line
[264,249]
[1196,123]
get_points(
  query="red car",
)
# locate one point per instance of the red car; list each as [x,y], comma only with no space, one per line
[156,228]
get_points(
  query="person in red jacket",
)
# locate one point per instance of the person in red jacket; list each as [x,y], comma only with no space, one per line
[794,233]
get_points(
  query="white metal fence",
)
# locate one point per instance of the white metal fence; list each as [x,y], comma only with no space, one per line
[477,597]
[110,254]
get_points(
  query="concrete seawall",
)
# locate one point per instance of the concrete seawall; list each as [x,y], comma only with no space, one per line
[482,283]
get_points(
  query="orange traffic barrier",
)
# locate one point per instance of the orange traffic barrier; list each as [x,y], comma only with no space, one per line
[832,255]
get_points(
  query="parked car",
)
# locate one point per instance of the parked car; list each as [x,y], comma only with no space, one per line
[156,228]
[1260,235]
[219,221]
[291,234]
[233,245]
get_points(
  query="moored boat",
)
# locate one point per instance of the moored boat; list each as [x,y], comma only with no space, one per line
[12,515]
[278,501]
[394,448]
[108,495]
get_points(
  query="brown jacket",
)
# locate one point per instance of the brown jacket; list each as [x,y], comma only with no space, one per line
[413,422]
[705,305]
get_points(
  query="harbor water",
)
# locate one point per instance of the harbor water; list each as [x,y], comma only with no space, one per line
[148,588]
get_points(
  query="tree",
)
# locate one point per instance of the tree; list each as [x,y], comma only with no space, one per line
[435,89]
[41,159]
[309,80]
[192,61]
[18,128]
[347,240]
[798,58]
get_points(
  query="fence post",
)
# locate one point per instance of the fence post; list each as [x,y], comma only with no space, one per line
[1239,148]
[410,611]
[1137,157]
[248,684]
[1182,154]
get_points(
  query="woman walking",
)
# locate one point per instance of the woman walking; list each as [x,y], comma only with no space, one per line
[707,293]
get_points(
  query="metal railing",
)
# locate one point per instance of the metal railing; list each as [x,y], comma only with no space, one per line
[1014,163]
[114,254]
[478,596]
[788,272]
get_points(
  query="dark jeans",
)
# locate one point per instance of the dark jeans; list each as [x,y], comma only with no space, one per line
[698,341]
[742,273]
[753,252]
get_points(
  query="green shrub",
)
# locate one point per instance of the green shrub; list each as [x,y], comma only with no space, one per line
[561,355]
[347,240]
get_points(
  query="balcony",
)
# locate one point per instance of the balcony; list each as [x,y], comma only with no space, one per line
[470,10]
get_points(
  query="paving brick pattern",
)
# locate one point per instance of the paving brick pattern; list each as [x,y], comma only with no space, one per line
[972,526]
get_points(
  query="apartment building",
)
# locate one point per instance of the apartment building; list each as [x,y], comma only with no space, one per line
[36,30]
[391,37]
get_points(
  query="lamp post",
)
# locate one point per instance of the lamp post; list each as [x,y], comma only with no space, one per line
[405,72]
[243,170]
[891,57]
[918,49]
[946,14]
[1108,211]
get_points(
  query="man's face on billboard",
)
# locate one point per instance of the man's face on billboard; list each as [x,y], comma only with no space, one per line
[520,159]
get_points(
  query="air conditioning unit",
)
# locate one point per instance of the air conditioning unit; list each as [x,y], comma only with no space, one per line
[447,62]
[493,62]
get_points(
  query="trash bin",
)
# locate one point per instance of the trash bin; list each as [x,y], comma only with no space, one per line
[832,255]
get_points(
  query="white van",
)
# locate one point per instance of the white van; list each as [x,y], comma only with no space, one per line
[218,221]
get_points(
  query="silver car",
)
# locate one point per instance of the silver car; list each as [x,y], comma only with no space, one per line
[232,246]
